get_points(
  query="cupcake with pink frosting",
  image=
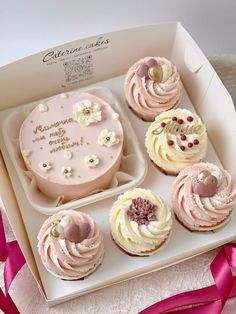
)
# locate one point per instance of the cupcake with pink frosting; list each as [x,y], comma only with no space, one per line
[70,245]
[203,197]
[152,86]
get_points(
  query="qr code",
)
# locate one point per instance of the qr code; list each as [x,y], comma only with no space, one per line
[80,68]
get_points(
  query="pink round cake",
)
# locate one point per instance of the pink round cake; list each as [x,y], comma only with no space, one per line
[72,144]
[203,197]
[152,85]
[70,245]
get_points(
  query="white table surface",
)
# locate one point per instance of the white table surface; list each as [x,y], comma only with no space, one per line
[27,27]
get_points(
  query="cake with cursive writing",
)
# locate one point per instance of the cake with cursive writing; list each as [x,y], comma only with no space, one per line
[70,245]
[152,86]
[140,222]
[176,139]
[203,197]
[72,144]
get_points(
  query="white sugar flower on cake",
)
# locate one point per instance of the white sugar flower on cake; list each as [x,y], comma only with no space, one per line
[115,116]
[87,112]
[45,165]
[68,154]
[26,152]
[66,171]
[91,161]
[42,107]
[107,138]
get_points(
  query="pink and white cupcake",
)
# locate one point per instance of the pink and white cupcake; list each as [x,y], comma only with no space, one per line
[152,86]
[140,222]
[70,245]
[175,140]
[203,197]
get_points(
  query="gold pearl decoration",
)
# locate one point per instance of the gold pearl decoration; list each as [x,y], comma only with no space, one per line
[203,174]
[54,232]
[155,73]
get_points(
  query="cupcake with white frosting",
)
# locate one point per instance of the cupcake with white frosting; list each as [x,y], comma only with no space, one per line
[70,245]
[140,222]
[152,86]
[203,197]
[176,139]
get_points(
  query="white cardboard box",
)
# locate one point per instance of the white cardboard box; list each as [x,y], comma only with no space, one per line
[42,75]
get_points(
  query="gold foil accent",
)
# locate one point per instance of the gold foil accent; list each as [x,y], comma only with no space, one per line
[174,128]
[54,232]
[155,73]
[203,174]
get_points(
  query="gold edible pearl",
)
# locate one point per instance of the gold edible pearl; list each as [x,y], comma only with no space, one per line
[54,232]
[203,174]
[86,111]
[155,73]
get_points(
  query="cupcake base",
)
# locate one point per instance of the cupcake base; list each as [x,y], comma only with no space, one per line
[165,172]
[212,228]
[79,277]
[143,254]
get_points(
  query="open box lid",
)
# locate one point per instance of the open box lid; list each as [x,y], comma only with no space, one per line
[105,56]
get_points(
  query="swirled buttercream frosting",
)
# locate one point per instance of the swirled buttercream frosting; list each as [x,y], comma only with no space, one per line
[176,139]
[152,85]
[203,196]
[140,222]
[70,245]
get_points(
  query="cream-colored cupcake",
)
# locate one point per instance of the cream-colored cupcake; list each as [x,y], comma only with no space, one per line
[176,139]
[152,85]
[203,197]
[70,245]
[140,222]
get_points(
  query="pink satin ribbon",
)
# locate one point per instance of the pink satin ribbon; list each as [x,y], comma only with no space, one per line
[11,254]
[206,300]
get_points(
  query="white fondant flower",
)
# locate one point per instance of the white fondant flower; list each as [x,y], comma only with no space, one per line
[107,138]
[66,171]
[42,107]
[45,165]
[26,152]
[63,95]
[68,154]
[91,161]
[87,112]
[115,116]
